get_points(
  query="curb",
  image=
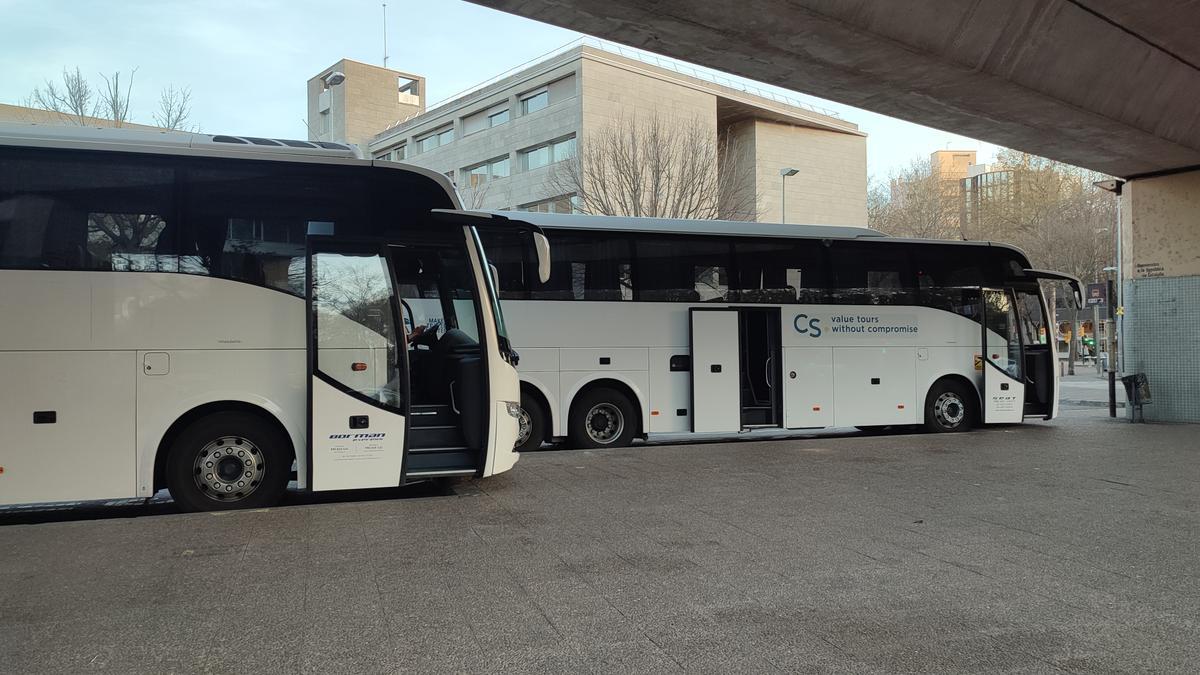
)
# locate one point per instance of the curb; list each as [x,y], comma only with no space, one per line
[1090,404]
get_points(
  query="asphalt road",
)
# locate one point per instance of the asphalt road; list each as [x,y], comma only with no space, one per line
[1064,546]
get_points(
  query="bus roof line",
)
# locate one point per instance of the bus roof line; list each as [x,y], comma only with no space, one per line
[177,142]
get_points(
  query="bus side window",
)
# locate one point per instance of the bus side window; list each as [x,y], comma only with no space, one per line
[778,272]
[870,273]
[586,266]
[250,224]
[682,269]
[84,213]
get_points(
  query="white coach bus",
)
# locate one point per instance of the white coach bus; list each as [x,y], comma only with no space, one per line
[651,326]
[203,313]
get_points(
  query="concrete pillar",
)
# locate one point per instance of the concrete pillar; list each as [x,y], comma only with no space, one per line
[1160,269]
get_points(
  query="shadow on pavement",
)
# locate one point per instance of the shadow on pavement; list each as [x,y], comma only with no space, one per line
[161,503]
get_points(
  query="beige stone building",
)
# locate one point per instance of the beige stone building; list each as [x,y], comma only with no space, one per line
[351,102]
[952,165]
[499,142]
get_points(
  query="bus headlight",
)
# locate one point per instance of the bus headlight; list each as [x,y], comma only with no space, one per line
[514,409]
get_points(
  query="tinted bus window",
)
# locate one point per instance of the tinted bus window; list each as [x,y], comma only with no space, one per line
[868,273]
[778,271]
[67,211]
[586,266]
[249,223]
[682,269]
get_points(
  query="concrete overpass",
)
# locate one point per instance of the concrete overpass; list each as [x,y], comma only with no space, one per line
[1112,85]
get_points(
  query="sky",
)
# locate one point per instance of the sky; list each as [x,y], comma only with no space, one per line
[247,61]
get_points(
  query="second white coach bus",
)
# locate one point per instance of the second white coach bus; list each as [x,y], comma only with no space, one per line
[652,326]
[203,313]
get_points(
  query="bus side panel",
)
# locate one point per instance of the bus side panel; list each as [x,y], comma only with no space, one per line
[66,426]
[46,309]
[943,361]
[874,386]
[808,396]
[271,379]
[670,391]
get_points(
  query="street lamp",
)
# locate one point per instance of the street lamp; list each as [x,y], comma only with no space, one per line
[784,173]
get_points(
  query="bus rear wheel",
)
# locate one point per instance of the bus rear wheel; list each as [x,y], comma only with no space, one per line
[602,418]
[949,408]
[531,429]
[228,460]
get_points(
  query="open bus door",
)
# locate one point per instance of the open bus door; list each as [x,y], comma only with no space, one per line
[1038,333]
[716,370]
[357,376]
[1003,392]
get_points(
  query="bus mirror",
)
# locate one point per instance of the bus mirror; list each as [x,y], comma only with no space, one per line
[542,245]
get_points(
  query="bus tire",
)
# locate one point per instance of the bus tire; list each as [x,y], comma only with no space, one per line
[533,424]
[228,460]
[949,407]
[602,418]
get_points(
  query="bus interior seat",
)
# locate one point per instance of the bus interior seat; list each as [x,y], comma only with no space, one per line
[671,295]
[602,294]
[777,296]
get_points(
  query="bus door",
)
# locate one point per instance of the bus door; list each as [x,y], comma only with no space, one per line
[1003,365]
[357,374]
[716,370]
[1041,357]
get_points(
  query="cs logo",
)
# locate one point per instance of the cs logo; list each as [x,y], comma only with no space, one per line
[807,326]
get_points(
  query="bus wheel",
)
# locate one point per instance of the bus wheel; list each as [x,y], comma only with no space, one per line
[532,424]
[948,408]
[602,418]
[228,460]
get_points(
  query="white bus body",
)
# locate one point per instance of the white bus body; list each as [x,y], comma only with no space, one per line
[161,327]
[597,346]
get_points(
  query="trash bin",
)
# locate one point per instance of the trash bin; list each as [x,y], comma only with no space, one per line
[1137,394]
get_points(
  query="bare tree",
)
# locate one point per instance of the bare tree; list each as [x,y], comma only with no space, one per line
[1050,210]
[76,101]
[1054,212]
[174,109]
[658,167]
[73,99]
[113,103]
[917,202]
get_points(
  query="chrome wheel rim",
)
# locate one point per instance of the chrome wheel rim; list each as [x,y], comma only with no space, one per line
[604,423]
[949,410]
[229,469]
[524,427]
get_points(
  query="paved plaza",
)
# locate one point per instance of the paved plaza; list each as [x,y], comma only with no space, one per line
[1064,546]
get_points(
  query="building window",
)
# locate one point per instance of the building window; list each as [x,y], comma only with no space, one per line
[436,139]
[481,173]
[400,153]
[497,118]
[534,102]
[485,119]
[560,204]
[548,153]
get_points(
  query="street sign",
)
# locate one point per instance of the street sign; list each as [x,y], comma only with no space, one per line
[1097,294]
